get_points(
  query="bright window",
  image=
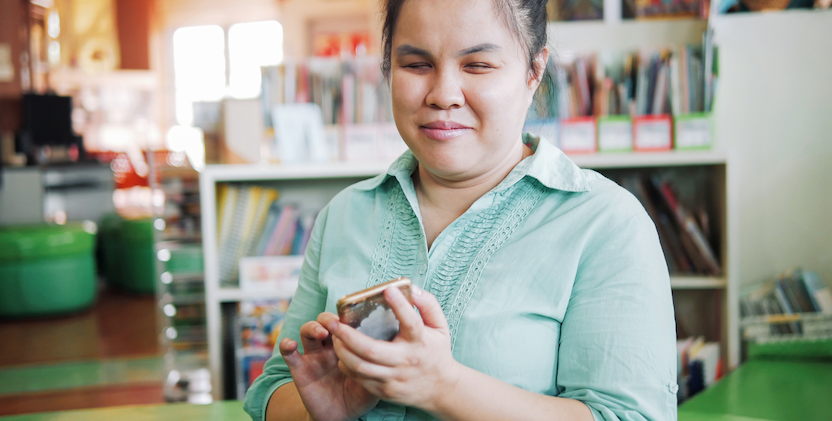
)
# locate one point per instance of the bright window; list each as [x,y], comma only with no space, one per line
[199,68]
[251,45]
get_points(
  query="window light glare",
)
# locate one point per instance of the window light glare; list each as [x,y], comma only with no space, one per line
[250,46]
[199,67]
[53,24]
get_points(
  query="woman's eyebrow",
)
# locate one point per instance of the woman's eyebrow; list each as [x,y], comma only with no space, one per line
[485,47]
[408,50]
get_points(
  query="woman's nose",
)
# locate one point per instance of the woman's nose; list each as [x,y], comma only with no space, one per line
[446,91]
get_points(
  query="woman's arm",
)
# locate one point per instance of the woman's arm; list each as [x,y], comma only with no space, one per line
[478,396]
[286,398]
[617,350]
[616,359]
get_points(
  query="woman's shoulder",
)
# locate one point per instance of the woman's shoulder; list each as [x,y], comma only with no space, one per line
[604,201]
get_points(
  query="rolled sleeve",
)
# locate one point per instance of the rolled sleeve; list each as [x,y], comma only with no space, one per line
[307,303]
[617,345]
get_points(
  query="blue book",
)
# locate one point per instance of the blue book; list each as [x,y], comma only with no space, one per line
[271,221]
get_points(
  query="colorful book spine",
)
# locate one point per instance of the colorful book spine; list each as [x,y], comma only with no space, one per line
[265,234]
[278,236]
[267,198]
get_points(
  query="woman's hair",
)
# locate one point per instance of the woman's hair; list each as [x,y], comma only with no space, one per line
[525,19]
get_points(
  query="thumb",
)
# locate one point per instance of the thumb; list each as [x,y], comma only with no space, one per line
[429,309]
[289,351]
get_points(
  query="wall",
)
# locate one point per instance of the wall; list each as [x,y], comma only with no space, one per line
[298,15]
[13,15]
[133,22]
[774,118]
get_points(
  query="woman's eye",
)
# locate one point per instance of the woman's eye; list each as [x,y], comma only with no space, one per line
[479,67]
[417,66]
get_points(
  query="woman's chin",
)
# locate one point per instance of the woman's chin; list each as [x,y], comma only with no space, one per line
[448,167]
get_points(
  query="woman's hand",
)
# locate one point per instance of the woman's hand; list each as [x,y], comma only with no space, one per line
[327,393]
[416,368]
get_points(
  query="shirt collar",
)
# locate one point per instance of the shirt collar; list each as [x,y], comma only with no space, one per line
[548,165]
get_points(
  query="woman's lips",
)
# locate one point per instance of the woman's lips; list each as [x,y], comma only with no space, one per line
[444,130]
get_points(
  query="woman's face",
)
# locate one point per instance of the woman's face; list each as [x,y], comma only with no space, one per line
[461,86]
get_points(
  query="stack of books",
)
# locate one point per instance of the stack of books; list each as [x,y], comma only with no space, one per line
[348,91]
[778,305]
[252,223]
[685,234]
[257,328]
[699,365]
[648,99]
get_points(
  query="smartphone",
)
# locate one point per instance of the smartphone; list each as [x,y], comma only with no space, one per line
[367,311]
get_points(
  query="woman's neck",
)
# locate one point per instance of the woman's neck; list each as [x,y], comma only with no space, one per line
[441,200]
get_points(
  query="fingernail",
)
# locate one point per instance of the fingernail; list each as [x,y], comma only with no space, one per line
[333,326]
[415,290]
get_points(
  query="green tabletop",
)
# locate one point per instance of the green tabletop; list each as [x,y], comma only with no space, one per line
[757,391]
[217,411]
[766,391]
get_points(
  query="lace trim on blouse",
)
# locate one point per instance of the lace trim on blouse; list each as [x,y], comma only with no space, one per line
[455,278]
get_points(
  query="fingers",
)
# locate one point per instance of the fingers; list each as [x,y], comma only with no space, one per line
[326,318]
[356,367]
[288,349]
[375,351]
[410,324]
[429,309]
[312,335]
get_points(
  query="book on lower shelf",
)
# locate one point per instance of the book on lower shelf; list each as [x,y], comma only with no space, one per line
[684,229]
[699,365]
[257,327]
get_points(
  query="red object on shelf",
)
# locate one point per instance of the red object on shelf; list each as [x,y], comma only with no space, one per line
[653,133]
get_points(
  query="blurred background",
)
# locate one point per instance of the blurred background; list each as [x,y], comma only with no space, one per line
[163,163]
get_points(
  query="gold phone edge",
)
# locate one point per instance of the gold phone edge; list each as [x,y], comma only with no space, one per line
[364,294]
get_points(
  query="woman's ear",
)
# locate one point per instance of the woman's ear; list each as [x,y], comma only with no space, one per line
[540,68]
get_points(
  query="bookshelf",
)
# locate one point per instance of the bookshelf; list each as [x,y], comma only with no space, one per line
[180,288]
[313,185]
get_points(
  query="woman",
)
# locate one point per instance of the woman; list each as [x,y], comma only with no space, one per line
[544,292]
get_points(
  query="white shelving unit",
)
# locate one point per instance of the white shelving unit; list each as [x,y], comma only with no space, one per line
[314,185]
[310,185]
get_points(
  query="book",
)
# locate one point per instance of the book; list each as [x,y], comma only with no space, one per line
[228,248]
[267,198]
[699,365]
[268,227]
[670,247]
[278,237]
[256,329]
[691,235]
[270,273]
[818,291]
[226,201]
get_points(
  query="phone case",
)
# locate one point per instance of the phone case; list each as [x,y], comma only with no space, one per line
[367,311]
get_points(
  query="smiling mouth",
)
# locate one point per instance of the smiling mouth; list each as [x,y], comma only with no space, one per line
[444,130]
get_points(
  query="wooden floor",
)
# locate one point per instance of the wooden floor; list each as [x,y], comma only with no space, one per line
[118,325]
[81,398]
[118,331]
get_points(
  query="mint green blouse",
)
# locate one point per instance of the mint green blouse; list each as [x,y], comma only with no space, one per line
[554,281]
